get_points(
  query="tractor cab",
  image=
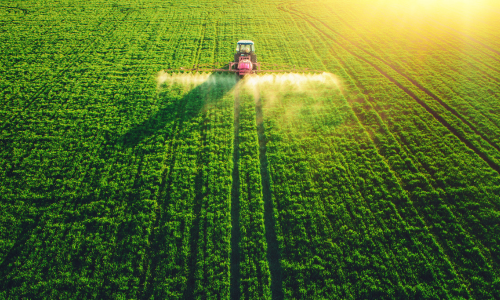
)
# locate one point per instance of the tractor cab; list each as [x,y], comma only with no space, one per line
[245,59]
[245,48]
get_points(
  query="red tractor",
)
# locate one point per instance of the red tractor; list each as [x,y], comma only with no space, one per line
[245,61]
[245,58]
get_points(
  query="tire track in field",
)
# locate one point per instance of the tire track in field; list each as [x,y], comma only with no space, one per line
[201,194]
[453,216]
[182,115]
[273,253]
[452,110]
[84,175]
[163,193]
[235,206]
[414,82]
[393,259]
[69,52]
[147,281]
[423,37]
[484,251]
[436,115]
[486,254]
[457,71]
[47,87]
[470,38]
[467,53]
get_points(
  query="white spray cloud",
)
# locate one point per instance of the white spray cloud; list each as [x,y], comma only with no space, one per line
[185,79]
[274,86]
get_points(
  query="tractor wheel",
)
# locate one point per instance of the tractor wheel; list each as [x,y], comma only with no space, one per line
[236,57]
[253,58]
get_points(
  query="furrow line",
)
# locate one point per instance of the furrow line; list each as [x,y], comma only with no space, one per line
[381,221]
[46,87]
[458,218]
[201,193]
[468,236]
[466,36]
[428,39]
[422,252]
[273,254]
[235,207]
[164,193]
[414,82]
[438,117]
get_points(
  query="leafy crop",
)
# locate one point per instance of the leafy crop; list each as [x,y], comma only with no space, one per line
[379,178]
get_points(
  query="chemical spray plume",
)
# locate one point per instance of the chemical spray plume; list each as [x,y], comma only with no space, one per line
[274,86]
[192,80]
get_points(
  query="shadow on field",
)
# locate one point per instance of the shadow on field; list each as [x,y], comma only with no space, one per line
[209,91]
[176,108]
[169,122]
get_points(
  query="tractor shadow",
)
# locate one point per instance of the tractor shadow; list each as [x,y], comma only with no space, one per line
[175,111]
[176,108]
[173,123]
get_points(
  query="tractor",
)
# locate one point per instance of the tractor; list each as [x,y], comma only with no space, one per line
[245,62]
[245,58]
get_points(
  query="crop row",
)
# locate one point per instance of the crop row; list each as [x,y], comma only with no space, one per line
[254,267]
[374,110]
[190,249]
[88,148]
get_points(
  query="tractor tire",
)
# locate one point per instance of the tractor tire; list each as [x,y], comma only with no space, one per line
[253,57]
[236,57]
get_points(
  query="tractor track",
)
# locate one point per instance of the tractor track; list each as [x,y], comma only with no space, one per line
[458,219]
[273,253]
[78,196]
[393,260]
[100,154]
[453,216]
[152,261]
[470,38]
[453,69]
[199,200]
[470,105]
[235,206]
[415,83]
[163,193]
[380,221]
[489,259]
[422,37]
[46,88]
[436,115]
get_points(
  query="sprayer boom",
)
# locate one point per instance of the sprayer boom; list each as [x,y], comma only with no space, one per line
[245,62]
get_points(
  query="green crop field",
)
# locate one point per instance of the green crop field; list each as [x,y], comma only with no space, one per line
[122,176]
